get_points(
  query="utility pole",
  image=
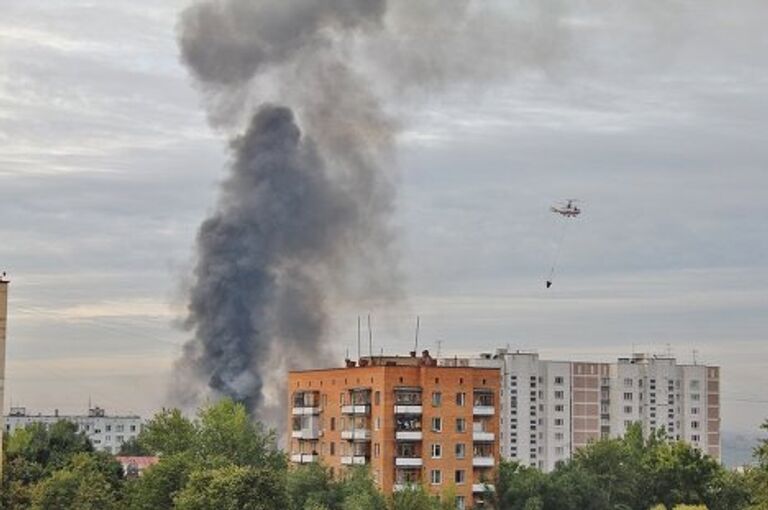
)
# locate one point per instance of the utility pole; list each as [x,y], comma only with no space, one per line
[3,327]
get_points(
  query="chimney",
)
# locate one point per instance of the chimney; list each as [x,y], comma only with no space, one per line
[3,327]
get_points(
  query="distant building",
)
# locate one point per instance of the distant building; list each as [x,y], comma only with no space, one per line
[410,420]
[549,409]
[134,466]
[107,433]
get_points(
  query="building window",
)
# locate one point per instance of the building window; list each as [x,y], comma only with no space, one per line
[437,451]
[559,408]
[461,503]
[694,425]
[461,425]
[437,398]
[559,450]
[694,410]
[377,398]
[436,477]
[376,450]
[437,424]
[333,423]
[695,438]
[333,448]
[461,450]
[378,423]
[559,380]
[559,395]
[694,384]
[460,476]
[558,422]
[628,396]
[695,397]
[628,409]
[461,399]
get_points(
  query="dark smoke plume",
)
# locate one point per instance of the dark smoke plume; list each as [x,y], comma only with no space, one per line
[303,220]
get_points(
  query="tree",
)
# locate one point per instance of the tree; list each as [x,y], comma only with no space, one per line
[167,433]
[360,492]
[234,488]
[133,448]
[413,498]
[311,485]
[226,432]
[87,482]
[159,484]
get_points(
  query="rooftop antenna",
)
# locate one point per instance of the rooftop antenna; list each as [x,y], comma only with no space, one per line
[439,348]
[370,338]
[416,343]
[695,356]
[669,350]
[358,338]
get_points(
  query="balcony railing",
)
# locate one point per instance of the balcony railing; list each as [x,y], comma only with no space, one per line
[479,410]
[483,461]
[482,436]
[482,487]
[363,409]
[304,458]
[409,435]
[408,409]
[353,460]
[305,411]
[409,461]
[305,434]
[356,434]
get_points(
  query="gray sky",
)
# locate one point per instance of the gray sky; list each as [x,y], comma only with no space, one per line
[654,116]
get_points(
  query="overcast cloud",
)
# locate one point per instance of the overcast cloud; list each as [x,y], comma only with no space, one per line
[654,116]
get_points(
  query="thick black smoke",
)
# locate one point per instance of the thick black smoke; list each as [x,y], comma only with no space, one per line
[303,221]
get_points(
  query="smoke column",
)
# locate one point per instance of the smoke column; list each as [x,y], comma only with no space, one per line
[303,218]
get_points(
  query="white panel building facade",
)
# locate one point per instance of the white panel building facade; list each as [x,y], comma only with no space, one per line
[551,408]
[106,433]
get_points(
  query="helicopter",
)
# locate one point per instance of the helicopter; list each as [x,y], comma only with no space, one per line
[569,209]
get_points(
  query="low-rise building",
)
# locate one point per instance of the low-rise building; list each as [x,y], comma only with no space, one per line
[106,433]
[408,419]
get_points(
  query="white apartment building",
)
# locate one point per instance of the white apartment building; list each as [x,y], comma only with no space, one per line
[107,433]
[551,408]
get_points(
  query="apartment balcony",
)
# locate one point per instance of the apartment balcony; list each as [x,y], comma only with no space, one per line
[409,435]
[408,409]
[304,458]
[305,411]
[482,487]
[483,437]
[482,410]
[305,434]
[483,461]
[353,460]
[356,409]
[409,461]
[356,435]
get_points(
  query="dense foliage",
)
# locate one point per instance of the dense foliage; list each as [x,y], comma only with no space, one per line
[222,460]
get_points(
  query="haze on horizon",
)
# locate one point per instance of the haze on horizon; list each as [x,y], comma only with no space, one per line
[654,119]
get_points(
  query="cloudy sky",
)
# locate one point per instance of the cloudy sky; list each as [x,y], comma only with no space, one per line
[654,115]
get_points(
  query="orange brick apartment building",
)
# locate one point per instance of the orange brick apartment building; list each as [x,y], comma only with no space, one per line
[411,421]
